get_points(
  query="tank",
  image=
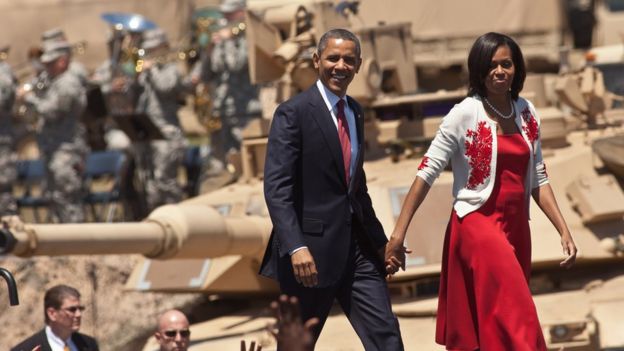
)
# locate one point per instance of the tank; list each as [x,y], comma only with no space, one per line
[212,244]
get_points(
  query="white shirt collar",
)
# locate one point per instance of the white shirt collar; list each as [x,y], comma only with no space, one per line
[329,97]
[56,343]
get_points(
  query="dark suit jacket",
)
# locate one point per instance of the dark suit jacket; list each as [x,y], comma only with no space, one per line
[82,341]
[306,192]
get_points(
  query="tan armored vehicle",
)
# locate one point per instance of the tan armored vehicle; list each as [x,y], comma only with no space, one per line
[213,243]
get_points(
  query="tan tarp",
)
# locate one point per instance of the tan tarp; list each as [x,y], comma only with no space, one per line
[23,21]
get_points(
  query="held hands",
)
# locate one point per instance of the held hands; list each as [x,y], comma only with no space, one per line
[569,249]
[394,257]
[304,268]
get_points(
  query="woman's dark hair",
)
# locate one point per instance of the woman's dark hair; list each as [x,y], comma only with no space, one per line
[480,58]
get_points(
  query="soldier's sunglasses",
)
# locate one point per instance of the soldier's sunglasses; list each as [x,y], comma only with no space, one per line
[185,333]
[74,309]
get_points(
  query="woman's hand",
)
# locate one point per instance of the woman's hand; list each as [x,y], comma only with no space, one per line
[569,249]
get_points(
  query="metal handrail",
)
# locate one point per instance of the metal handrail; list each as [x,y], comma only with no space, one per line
[13,298]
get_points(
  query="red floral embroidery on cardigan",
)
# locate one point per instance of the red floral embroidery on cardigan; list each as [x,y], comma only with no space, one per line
[480,153]
[423,163]
[530,125]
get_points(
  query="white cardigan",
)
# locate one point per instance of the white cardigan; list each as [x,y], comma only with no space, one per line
[467,136]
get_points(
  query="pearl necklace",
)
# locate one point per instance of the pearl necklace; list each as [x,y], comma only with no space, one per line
[498,112]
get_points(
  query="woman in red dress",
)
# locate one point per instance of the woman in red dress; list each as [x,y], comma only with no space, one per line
[492,140]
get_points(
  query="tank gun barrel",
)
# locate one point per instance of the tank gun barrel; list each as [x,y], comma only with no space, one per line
[170,231]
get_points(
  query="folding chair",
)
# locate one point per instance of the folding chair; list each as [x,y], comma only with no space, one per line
[100,165]
[31,176]
[192,165]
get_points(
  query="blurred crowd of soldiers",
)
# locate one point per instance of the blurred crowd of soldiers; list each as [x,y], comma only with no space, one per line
[139,82]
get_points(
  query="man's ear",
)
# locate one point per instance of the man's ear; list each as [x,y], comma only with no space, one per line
[316,60]
[358,64]
[52,314]
[158,336]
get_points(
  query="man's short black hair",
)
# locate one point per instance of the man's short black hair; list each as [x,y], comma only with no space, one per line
[54,297]
[480,58]
[338,33]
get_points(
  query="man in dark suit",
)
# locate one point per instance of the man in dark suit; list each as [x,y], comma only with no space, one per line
[327,242]
[63,314]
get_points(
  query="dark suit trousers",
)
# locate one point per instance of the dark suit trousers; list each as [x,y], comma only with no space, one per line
[363,295]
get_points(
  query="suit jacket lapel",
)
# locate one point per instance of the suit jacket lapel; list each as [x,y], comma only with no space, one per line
[42,338]
[326,124]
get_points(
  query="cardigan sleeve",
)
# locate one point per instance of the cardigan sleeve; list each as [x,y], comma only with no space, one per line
[442,148]
[540,176]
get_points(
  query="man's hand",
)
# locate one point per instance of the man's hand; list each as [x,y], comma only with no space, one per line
[395,255]
[147,64]
[569,249]
[118,84]
[304,268]
[22,91]
[252,346]
[292,333]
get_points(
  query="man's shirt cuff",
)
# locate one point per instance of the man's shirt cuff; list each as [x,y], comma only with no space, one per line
[292,252]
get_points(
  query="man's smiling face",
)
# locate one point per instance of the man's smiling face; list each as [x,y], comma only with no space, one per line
[337,65]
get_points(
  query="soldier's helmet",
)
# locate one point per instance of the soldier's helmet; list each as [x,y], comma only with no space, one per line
[52,35]
[55,49]
[232,5]
[154,38]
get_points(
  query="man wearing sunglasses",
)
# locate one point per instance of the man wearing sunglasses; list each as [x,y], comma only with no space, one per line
[173,332]
[63,314]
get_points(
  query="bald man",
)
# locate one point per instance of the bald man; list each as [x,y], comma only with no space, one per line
[173,332]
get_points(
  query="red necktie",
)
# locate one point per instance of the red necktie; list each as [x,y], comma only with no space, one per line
[344,136]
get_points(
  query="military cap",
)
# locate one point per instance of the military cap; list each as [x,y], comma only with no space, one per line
[232,5]
[54,34]
[154,38]
[54,50]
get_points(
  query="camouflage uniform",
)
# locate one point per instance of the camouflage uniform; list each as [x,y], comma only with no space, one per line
[235,99]
[80,71]
[8,158]
[62,144]
[161,86]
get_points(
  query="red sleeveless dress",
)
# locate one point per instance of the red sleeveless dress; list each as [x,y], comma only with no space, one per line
[484,301]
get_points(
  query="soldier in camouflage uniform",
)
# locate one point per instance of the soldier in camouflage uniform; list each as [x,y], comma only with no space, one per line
[61,139]
[162,85]
[235,99]
[8,171]
[76,68]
